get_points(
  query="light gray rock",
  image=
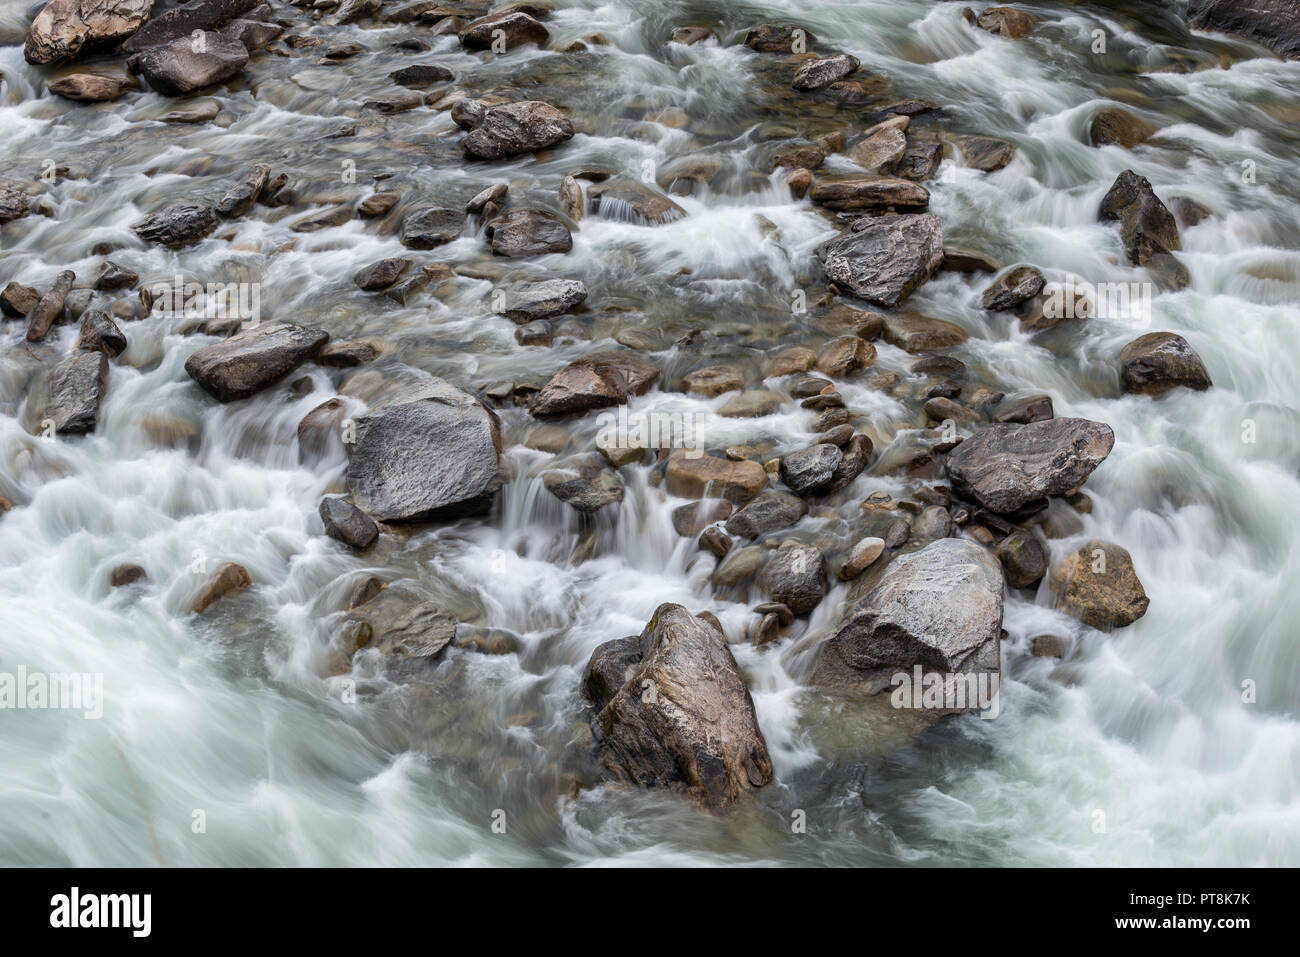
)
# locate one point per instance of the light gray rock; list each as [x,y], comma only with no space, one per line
[884,260]
[515,128]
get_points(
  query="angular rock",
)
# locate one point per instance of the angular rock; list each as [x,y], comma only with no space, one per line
[528,301]
[768,513]
[528,232]
[239,199]
[1023,558]
[584,483]
[181,67]
[176,226]
[253,34]
[346,523]
[76,388]
[1005,467]
[17,300]
[1012,288]
[181,22]
[684,719]
[1025,409]
[430,226]
[381,274]
[882,149]
[14,204]
[884,260]
[611,666]
[1273,23]
[66,28]
[691,519]
[1160,361]
[815,74]
[594,382]
[249,361]
[856,191]
[112,277]
[1098,585]
[1006,21]
[49,307]
[795,575]
[811,470]
[100,334]
[430,456]
[1148,229]
[515,128]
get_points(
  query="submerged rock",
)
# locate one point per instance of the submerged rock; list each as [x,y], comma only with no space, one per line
[1115,127]
[1006,21]
[230,577]
[432,455]
[623,198]
[815,74]
[1098,585]
[241,197]
[253,359]
[398,624]
[528,301]
[1160,361]
[683,719]
[1005,467]
[939,608]
[884,260]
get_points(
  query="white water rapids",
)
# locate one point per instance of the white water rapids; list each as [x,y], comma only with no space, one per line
[225,718]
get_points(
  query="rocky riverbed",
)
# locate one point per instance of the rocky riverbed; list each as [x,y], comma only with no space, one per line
[533,432]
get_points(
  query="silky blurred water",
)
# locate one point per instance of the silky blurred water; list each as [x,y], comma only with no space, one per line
[1137,750]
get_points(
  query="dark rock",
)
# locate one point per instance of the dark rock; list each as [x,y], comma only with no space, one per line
[253,34]
[856,453]
[1159,361]
[49,307]
[76,388]
[795,575]
[421,74]
[528,232]
[856,191]
[349,354]
[985,153]
[1147,228]
[811,470]
[516,29]
[684,719]
[774,38]
[1098,585]
[320,432]
[180,23]
[431,226]
[346,523]
[180,67]
[1273,23]
[177,226]
[390,103]
[768,513]
[1115,127]
[515,128]
[611,666]
[126,575]
[241,197]
[249,361]
[66,28]
[1023,558]
[112,277]
[919,162]
[92,87]
[100,334]
[594,382]
[585,483]
[716,541]
[431,456]
[381,275]
[1025,409]
[884,260]
[1012,288]
[1006,467]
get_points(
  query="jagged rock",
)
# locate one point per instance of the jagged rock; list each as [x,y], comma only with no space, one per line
[1023,558]
[1098,585]
[100,334]
[920,161]
[249,361]
[516,29]
[594,382]
[1273,23]
[14,204]
[239,199]
[1159,361]
[1013,287]
[856,453]
[181,22]
[1006,21]
[230,577]
[709,476]
[528,232]
[795,575]
[515,128]
[884,260]
[1115,127]
[431,226]
[92,87]
[66,28]
[1005,467]
[346,523]
[815,74]
[684,719]
[768,513]
[528,301]
[350,11]
[1148,229]
[940,608]
[811,470]
[76,388]
[856,191]
[50,306]
[585,483]
[176,226]
[431,455]
[626,199]
[774,38]
[181,66]
[883,146]
[381,275]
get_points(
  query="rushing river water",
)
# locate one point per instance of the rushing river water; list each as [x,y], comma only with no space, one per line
[1138,748]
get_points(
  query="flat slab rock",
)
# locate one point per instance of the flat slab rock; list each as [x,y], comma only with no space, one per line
[940,608]
[249,361]
[432,455]
[884,260]
[683,717]
[1007,466]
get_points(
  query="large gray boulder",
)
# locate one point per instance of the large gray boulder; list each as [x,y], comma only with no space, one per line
[1273,23]
[1006,466]
[515,128]
[181,22]
[434,454]
[75,389]
[884,260]
[185,65]
[253,359]
[940,608]
[65,28]
[683,718]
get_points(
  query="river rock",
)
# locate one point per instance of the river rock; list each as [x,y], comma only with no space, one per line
[684,718]
[594,382]
[429,456]
[180,67]
[856,455]
[230,577]
[421,74]
[92,87]
[176,226]
[811,470]
[585,483]
[1115,127]
[856,191]
[253,359]
[429,226]
[516,29]
[815,74]
[66,28]
[913,333]
[627,199]
[1005,467]
[769,512]
[882,148]
[76,388]
[1023,558]
[708,476]
[515,128]
[181,22]
[752,404]
[17,300]
[528,232]
[1006,21]
[795,575]
[714,380]
[1098,585]
[940,608]
[1013,287]
[346,523]
[1025,409]
[985,153]
[778,38]
[381,274]
[1273,23]
[253,34]
[884,260]
[691,519]
[123,575]
[611,666]
[49,307]
[1160,361]
[398,624]
[528,301]
[1148,229]
[862,557]
[100,334]
[239,199]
